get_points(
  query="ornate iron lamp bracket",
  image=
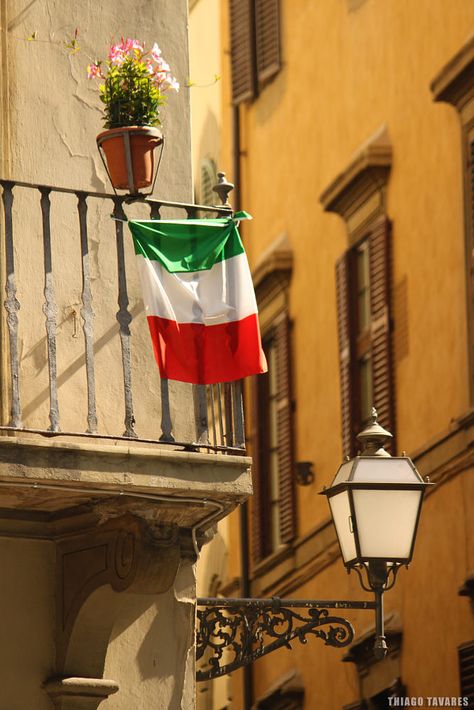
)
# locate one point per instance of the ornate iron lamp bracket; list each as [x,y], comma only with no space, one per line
[234,632]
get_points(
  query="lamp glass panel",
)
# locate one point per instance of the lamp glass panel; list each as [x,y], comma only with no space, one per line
[386,521]
[343,472]
[341,514]
[384,470]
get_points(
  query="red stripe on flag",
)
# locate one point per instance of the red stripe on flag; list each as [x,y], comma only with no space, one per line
[206,354]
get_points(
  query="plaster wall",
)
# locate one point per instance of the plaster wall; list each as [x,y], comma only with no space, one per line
[154,656]
[27,601]
[205,90]
[53,114]
[348,69]
[50,117]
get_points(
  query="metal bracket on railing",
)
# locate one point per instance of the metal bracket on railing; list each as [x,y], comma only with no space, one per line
[235,632]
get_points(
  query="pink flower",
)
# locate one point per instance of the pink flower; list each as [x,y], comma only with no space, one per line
[169,82]
[131,45]
[93,70]
[162,65]
[116,54]
[155,52]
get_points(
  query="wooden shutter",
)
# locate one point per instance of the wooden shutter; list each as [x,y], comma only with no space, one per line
[242,43]
[381,339]
[466,671]
[258,526]
[267,39]
[285,431]
[344,337]
[470,256]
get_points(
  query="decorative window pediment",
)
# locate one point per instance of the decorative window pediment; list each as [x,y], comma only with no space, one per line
[357,194]
[454,83]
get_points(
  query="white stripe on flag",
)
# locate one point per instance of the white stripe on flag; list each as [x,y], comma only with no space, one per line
[219,295]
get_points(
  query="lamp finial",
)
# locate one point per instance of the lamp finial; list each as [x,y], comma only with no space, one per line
[374,437]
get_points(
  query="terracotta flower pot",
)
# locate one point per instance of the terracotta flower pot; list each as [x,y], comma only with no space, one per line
[129,155]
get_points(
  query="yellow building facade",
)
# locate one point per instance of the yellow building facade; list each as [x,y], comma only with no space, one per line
[347,126]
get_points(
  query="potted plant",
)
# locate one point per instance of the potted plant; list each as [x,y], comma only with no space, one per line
[135,82]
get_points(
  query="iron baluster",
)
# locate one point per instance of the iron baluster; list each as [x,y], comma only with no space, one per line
[229,432]
[124,319]
[166,421]
[87,315]
[238,407]
[12,306]
[50,310]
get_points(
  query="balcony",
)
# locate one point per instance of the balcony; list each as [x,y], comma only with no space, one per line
[86,423]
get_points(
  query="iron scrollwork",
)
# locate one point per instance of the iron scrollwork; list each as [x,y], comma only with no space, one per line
[234,632]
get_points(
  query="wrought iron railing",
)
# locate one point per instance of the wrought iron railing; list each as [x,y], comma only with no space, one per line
[55,239]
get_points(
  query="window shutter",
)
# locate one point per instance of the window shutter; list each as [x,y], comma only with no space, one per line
[258,510]
[470,257]
[382,360]
[242,50]
[285,431]
[466,671]
[267,37]
[343,327]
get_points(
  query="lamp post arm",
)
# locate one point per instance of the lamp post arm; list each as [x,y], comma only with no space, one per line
[380,644]
[232,633]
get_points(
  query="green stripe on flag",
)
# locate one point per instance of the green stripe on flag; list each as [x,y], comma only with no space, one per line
[186,245]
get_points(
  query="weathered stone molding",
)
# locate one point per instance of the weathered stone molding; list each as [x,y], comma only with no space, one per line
[79,693]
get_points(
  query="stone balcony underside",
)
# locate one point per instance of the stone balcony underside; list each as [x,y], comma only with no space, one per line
[51,488]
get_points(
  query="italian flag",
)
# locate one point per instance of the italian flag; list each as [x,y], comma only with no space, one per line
[199,299]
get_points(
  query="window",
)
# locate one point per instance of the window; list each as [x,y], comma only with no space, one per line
[255,46]
[466,671]
[455,85]
[273,444]
[363,286]
[363,298]
[273,505]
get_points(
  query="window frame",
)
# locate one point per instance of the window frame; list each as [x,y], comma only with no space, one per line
[271,276]
[359,195]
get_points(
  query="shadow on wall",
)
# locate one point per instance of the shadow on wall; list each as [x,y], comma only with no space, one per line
[209,141]
[78,364]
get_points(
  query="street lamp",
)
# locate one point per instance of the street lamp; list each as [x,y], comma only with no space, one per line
[375,501]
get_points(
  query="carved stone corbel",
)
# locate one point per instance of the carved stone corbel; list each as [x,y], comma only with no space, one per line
[125,554]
